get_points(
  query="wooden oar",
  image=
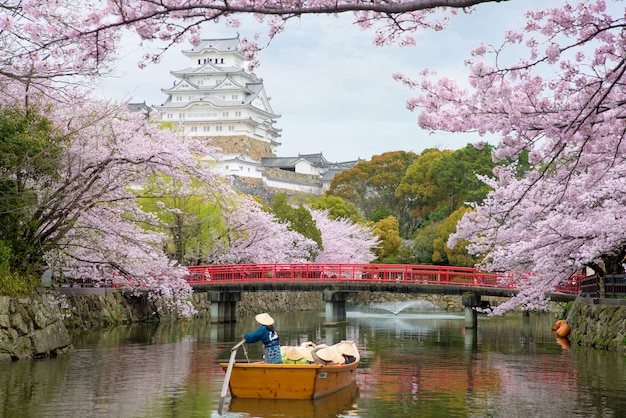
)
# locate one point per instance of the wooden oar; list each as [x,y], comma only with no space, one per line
[229,369]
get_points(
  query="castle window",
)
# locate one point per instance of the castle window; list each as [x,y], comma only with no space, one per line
[234,97]
[224,114]
[199,61]
[207,128]
[218,128]
[237,114]
[231,128]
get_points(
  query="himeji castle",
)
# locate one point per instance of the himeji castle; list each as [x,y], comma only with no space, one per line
[216,98]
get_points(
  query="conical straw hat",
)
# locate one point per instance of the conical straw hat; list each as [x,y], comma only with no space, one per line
[327,354]
[294,353]
[264,319]
[347,349]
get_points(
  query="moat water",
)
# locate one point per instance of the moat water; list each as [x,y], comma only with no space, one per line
[413,364]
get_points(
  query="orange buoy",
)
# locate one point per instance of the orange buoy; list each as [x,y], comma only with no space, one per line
[563,342]
[557,324]
[563,330]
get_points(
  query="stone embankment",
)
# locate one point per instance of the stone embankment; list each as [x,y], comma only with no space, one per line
[37,325]
[599,323]
[32,327]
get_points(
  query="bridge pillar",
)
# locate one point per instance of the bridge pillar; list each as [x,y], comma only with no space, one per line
[335,306]
[223,306]
[470,302]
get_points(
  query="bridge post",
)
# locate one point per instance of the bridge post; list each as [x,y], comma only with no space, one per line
[335,306]
[223,306]
[470,302]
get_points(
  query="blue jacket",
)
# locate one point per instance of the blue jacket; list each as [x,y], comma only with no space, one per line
[269,338]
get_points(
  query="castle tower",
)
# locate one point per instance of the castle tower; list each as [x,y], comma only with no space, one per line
[214,97]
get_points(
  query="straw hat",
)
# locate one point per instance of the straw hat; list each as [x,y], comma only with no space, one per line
[347,349]
[294,354]
[307,344]
[308,354]
[328,355]
[264,319]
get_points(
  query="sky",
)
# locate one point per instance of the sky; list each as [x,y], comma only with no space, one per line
[333,88]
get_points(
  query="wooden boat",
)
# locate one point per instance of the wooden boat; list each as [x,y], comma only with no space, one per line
[289,381]
[340,403]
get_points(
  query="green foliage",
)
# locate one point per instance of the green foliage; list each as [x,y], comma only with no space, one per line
[298,219]
[15,284]
[381,212]
[30,152]
[191,218]
[457,256]
[387,230]
[372,184]
[423,243]
[439,182]
[337,207]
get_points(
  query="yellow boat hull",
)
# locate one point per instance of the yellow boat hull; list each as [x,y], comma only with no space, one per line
[288,381]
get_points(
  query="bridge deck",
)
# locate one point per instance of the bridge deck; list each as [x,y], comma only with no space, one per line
[399,278]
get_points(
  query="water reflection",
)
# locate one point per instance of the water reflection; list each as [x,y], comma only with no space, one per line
[413,364]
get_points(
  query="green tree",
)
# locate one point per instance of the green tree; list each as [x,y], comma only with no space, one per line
[190,217]
[457,256]
[420,186]
[423,243]
[337,207]
[30,150]
[439,182]
[387,230]
[299,219]
[371,187]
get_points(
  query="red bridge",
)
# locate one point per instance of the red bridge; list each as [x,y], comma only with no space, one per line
[240,274]
[225,283]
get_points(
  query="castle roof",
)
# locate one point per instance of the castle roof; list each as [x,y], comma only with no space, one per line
[219,45]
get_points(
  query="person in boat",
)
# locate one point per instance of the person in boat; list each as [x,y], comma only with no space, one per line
[327,356]
[348,351]
[294,355]
[268,336]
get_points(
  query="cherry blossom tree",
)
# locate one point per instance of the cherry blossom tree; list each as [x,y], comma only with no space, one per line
[563,102]
[252,235]
[65,38]
[83,214]
[344,241]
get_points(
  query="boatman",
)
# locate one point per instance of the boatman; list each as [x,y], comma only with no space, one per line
[268,336]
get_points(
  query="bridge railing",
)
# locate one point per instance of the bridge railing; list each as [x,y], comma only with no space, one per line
[461,276]
[344,272]
[610,286]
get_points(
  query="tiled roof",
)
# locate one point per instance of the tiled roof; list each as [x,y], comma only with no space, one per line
[221,45]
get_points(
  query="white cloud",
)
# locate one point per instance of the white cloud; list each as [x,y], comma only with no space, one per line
[333,88]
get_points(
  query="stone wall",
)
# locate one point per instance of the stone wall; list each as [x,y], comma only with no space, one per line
[105,308]
[277,173]
[599,323]
[36,325]
[245,145]
[31,327]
